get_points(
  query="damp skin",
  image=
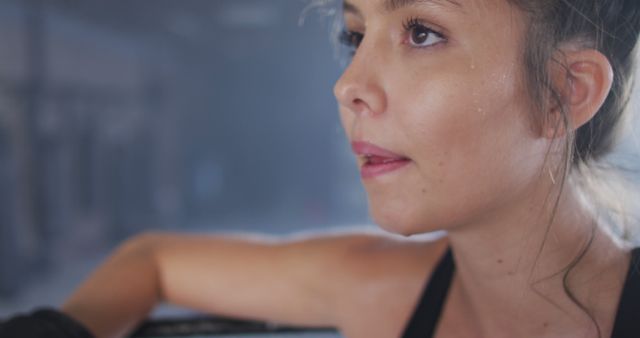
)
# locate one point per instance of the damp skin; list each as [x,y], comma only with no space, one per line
[457,109]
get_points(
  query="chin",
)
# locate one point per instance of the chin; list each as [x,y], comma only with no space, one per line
[400,223]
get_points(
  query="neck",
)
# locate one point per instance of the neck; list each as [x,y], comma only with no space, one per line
[517,266]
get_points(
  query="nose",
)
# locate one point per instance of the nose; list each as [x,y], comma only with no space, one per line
[359,89]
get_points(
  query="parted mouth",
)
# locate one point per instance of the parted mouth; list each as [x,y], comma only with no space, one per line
[372,154]
[376,160]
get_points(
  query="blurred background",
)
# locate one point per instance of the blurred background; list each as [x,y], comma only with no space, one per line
[121,116]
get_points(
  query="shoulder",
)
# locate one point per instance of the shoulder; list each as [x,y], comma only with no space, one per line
[370,256]
[351,262]
[376,280]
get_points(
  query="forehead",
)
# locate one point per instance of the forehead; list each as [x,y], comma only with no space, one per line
[459,6]
[394,5]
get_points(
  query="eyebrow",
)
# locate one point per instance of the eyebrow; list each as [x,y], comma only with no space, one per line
[394,5]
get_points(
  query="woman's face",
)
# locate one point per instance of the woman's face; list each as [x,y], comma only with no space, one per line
[438,85]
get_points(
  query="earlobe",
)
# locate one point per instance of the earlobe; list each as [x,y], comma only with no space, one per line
[584,84]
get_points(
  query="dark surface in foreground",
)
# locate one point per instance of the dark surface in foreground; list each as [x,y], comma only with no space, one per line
[213,326]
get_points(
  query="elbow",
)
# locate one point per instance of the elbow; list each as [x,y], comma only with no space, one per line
[144,249]
[144,244]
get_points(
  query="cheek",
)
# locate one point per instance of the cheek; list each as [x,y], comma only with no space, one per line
[470,151]
[479,124]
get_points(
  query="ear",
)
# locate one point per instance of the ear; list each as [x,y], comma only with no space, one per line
[583,79]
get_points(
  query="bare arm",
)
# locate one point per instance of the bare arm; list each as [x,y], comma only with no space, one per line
[289,282]
[120,293]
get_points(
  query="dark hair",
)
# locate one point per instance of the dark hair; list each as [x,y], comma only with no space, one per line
[610,27]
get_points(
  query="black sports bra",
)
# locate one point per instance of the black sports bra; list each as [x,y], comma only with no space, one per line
[424,322]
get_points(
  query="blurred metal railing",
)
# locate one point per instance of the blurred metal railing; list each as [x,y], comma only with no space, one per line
[217,327]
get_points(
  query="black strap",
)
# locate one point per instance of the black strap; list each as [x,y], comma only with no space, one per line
[425,319]
[627,323]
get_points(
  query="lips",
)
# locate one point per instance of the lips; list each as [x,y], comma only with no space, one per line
[376,160]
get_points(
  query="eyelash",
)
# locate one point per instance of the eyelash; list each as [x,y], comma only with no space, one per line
[413,24]
[352,39]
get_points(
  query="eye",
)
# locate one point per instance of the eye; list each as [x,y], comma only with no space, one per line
[351,39]
[420,36]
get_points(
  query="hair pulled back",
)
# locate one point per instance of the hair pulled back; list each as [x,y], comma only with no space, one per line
[609,26]
[612,28]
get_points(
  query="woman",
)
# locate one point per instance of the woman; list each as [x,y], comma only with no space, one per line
[477,117]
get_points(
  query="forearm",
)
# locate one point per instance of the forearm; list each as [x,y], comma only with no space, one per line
[121,293]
